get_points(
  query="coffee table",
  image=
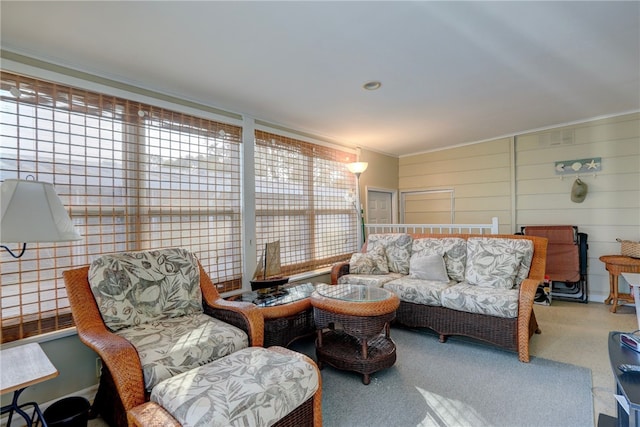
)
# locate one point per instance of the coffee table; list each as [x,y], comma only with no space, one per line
[352,326]
[287,316]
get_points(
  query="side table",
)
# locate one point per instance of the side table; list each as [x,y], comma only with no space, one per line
[353,332]
[616,265]
[23,366]
[287,316]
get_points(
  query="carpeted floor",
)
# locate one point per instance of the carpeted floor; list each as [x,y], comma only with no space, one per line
[459,383]
[572,333]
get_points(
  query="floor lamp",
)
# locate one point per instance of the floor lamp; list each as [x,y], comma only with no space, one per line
[357,168]
[32,212]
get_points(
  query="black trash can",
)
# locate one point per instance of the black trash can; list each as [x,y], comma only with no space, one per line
[68,412]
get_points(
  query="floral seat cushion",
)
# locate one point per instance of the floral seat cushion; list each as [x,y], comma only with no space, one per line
[251,387]
[373,280]
[171,346]
[418,291]
[481,300]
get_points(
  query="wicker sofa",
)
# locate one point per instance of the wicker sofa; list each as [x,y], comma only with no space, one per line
[480,286]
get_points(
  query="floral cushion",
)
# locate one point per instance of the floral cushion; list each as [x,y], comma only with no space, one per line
[499,263]
[374,280]
[453,249]
[133,288]
[490,266]
[372,262]
[172,346]
[397,247]
[251,387]
[481,300]
[418,291]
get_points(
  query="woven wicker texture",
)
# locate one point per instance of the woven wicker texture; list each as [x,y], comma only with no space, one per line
[629,248]
[284,330]
[512,334]
[309,414]
[354,335]
[121,384]
[288,319]
[355,308]
[343,351]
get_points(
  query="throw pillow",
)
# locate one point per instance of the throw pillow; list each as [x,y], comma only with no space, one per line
[428,267]
[373,262]
[454,250]
[491,265]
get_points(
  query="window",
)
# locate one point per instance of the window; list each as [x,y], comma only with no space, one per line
[132,177]
[301,191]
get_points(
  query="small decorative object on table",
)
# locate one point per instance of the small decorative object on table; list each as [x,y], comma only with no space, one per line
[265,279]
[629,248]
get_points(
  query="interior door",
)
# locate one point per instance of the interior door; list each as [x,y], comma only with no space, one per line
[379,207]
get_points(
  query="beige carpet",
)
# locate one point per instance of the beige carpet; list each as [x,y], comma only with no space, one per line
[575,333]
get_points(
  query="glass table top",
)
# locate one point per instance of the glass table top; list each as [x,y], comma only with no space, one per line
[357,293]
[287,294]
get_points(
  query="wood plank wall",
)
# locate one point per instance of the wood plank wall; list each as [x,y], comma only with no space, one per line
[515,180]
[612,207]
[478,174]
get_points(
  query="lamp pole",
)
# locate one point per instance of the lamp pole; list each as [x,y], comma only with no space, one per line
[357,168]
[361,234]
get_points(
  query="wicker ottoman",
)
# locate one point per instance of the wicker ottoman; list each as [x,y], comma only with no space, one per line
[251,387]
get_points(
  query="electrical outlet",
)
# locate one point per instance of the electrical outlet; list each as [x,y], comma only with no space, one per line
[98,367]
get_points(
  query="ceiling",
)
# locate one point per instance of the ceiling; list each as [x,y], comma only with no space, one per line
[452,72]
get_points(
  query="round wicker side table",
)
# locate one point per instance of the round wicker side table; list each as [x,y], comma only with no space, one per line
[616,265]
[352,326]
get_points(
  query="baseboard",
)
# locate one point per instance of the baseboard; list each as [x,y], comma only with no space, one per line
[88,393]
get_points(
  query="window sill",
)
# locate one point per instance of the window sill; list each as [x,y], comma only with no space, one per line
[49,336]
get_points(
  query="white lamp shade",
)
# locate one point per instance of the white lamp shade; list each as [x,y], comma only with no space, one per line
[32,212]
[357,167]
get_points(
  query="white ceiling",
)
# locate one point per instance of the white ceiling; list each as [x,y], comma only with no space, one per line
[451,72]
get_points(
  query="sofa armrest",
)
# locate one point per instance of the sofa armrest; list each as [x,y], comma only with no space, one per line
[526,297]
[244,315]
[337,270]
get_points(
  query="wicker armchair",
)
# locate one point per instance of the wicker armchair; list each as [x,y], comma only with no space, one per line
[122,384]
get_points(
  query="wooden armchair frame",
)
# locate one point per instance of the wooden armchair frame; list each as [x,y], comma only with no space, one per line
[121,383]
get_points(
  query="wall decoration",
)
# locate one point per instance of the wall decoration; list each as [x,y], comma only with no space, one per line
[580,166]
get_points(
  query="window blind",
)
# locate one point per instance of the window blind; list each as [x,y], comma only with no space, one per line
[302,199]
[132,176]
